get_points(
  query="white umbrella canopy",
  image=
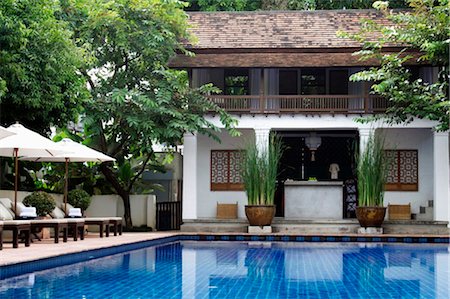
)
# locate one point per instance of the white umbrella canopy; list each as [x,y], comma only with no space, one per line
[75,152]
[23,142]
[5,133]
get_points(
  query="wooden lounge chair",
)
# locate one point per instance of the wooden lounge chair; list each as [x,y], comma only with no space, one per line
[76,225]
[18,227]
[104,223]
[58,225]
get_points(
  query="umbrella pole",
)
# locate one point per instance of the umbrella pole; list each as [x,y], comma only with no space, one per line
[16,178]
[66,185]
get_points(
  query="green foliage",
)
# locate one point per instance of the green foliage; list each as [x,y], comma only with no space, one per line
[372,173]
[79,199]
[260,170]
[426,28]
[136,100]
[39,80]
[42,201]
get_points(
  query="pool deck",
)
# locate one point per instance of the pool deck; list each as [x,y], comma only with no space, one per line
[47,248]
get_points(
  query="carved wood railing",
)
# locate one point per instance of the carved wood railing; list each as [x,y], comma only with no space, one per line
[344,104]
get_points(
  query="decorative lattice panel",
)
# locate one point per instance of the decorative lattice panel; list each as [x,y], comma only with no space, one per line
[226,170]
[236,159]
[219,167]
[408,167]
[403,170]
[392,157]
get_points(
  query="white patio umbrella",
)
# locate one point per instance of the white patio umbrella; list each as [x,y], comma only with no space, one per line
[74,152]
[25,142]
[5,133]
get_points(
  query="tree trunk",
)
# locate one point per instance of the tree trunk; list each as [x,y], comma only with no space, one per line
[121,191]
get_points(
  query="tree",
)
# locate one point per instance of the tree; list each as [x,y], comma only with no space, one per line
[39,80]
[136,100]
[424,28]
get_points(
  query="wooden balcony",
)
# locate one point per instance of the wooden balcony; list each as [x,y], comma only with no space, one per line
[335,104]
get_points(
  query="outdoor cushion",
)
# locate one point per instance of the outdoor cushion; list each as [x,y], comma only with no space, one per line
[6,202]
[57,213]
[75,212]
[25,211]
[69,206]
[5,213]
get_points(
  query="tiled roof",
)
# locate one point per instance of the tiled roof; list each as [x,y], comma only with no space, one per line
[277,29]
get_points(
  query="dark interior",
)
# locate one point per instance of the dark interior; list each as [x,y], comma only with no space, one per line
[337,146]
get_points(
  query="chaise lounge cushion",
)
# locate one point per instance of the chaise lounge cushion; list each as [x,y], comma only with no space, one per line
[57,213]
[24,211]
[6,202]
[5,214]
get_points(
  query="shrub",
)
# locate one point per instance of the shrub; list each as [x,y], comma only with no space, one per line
[42,201]
[79,199]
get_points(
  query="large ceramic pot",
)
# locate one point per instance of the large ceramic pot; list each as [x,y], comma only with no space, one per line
[370,216]
[260,215]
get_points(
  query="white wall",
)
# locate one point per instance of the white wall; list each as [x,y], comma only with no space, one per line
[422,141]
[208,199]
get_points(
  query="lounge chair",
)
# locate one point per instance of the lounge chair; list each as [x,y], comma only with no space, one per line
[17,227]
[103,223]
[75,224]
[58,225]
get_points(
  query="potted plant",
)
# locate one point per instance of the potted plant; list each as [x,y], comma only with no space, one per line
[371,173]
[42,201]
[79,199]
[259,174]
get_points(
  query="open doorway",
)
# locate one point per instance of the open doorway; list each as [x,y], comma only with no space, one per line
[300,163]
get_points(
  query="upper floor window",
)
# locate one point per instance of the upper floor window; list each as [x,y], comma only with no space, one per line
[403,170]
[236,82]
[313,81]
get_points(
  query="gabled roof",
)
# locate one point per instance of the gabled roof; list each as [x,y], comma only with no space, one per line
[277,29]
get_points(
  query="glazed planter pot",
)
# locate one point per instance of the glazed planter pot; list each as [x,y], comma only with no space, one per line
[260,215]
[370,216]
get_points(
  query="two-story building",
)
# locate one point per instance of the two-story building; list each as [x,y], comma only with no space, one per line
[288,73]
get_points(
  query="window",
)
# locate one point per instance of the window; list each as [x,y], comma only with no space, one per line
[226,170]
[313,81]
[402,170]
[236,82]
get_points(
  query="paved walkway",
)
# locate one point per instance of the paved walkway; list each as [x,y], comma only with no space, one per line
[47,248]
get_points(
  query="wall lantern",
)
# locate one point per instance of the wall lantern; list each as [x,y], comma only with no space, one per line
[313,142]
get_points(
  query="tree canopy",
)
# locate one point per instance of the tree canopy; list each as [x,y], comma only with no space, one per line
[136,101]
[424,28]
[39,80]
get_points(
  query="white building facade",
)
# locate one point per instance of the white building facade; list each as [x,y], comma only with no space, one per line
[297,86]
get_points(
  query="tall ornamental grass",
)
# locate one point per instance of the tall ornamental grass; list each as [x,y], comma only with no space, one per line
[260,170]
[372,173]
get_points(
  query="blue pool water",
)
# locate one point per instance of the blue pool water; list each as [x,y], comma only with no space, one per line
[189,269]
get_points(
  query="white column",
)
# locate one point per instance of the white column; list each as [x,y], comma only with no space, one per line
[441,176]
[190,176]
[262,138]
[364,134]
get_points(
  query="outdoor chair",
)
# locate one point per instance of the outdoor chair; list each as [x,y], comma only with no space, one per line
[104,223]
[76,225]
[18,227]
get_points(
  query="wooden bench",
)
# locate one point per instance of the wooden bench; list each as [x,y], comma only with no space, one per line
[58,225]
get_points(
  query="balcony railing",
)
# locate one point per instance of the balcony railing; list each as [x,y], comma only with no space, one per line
[342,104]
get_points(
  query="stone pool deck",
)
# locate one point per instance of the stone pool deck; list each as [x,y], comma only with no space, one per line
[47,248]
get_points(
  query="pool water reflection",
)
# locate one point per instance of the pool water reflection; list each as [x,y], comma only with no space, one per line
[190,269]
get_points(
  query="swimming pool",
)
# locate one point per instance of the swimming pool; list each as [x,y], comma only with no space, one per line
[193,269]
